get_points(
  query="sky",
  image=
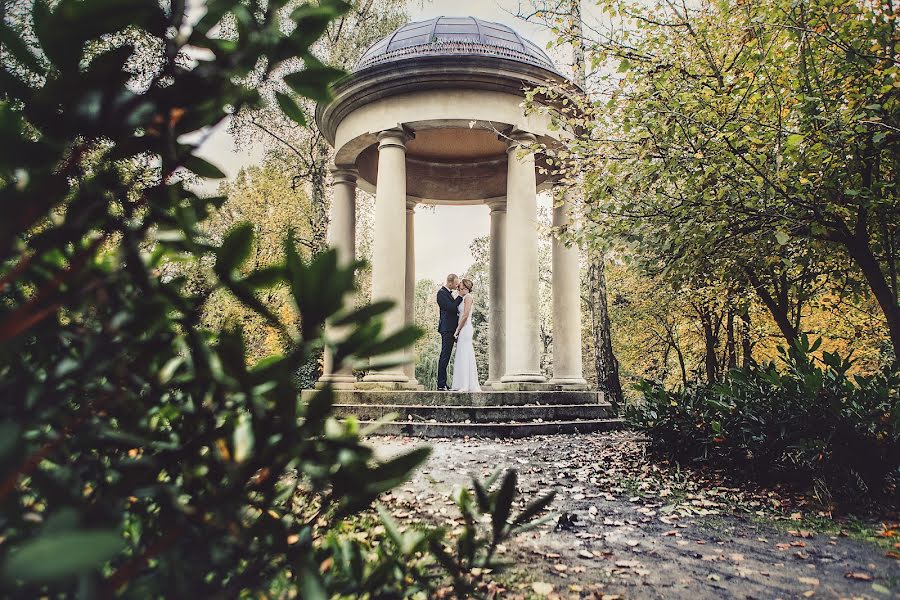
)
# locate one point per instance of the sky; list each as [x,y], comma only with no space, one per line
[443,233]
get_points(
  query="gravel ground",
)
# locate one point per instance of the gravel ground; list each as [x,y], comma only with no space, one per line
[644,529]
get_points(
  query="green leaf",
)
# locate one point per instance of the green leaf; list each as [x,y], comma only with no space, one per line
[243,438]
[9,439]
[19,50]
[235,248]
[311,586]
[398,469]
[314,81]
[782,237]
[793,141]
[363,313]
[534,508]
[404,338]
[59,555]
[503,502]
[390,526]
[318,408]
[484,502]
[203,168]
[265,277]
[290,108]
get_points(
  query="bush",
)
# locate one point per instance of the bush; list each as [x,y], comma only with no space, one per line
[140,455]
[808,421]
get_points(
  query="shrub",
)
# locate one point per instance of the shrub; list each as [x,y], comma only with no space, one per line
[140,455]
[805,421]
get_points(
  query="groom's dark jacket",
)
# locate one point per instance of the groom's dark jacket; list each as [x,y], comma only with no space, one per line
[449,310]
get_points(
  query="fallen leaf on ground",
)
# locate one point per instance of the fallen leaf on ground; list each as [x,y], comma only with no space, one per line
[541,587]
[858,576]
[803,533]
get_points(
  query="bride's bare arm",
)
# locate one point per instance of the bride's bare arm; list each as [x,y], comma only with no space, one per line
[467,309]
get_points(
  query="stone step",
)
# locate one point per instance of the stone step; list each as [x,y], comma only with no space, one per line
[476,414]
[493,430]
[434,398]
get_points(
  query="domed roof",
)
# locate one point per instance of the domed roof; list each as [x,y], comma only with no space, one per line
[454,36]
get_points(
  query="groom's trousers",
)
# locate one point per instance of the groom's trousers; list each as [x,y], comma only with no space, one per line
[447,340]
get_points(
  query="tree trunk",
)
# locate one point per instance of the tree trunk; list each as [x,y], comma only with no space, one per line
[779,312]
[680,356]
[860,251]
[746,347]
[605,363]
[710,338]
[318,178]
[730,347]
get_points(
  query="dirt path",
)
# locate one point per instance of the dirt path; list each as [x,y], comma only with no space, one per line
[644,530]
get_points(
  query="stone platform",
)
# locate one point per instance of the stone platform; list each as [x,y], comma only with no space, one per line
[503,414]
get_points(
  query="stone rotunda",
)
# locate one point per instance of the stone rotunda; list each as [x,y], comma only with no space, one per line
[433,114]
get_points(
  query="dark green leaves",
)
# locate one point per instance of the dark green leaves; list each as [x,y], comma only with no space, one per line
[203,168]
[58,555]
[290,108]
[64,31]
[19,50]
[503,503]
[314,81]
[235,248]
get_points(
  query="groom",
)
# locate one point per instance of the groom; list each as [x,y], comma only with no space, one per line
[447,325]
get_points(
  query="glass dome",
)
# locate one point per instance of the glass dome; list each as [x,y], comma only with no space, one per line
[463,36]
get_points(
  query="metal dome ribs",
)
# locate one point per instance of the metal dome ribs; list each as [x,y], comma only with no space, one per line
[461,36]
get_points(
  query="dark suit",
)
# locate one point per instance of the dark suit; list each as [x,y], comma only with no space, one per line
[449,307]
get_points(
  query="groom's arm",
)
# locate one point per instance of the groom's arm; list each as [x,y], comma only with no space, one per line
[445,300]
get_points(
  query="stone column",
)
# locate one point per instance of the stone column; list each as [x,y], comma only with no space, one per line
[410,303]
[523,348]
[567,366]
[389,254]
[341,237]
[497,293]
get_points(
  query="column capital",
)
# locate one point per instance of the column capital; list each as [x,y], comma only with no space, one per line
[515,138]
[411,204]
[498,205]
[343,174]
[394,137]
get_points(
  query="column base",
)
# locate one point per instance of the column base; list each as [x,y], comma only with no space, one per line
[523,378]
[387,386]
[386,377]
[336,382]
[571,383]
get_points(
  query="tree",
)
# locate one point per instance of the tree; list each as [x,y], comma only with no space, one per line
[747,136]
[264,197]
[299,148]
[563,18]
[137,443]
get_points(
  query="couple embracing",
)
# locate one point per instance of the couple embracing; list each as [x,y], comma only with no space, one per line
[456,302]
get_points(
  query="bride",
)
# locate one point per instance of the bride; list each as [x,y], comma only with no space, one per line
[465,371]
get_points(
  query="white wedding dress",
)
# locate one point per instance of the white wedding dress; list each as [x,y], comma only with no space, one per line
[465,371]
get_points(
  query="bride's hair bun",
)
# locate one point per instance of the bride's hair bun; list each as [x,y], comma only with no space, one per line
[467,283]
